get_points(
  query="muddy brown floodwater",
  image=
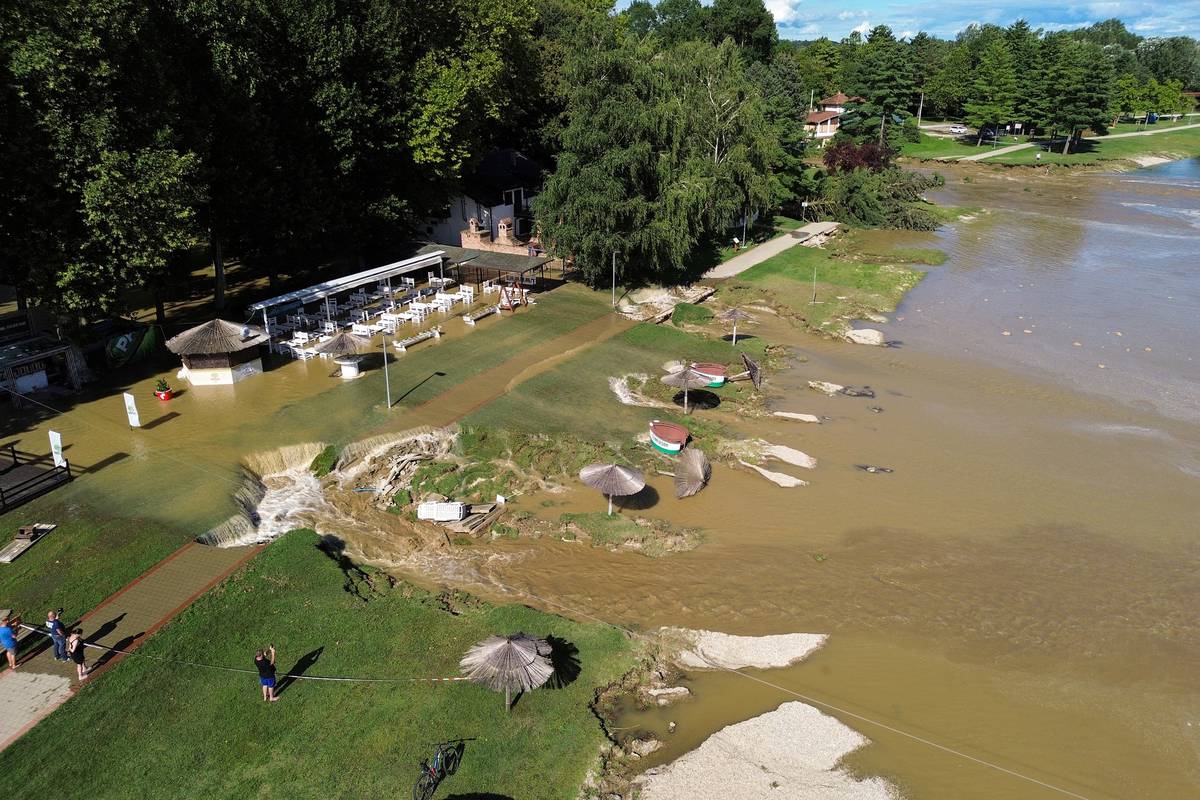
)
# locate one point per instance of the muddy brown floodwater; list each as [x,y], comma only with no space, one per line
[1023,587]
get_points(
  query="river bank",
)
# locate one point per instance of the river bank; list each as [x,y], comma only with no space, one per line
[1021,586]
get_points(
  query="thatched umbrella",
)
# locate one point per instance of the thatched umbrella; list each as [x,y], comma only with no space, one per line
[686,378]
[613,479]
[753,370]
[216,337]
[692,472]
[515,663]
[343,344]
[734,315]
[344,347]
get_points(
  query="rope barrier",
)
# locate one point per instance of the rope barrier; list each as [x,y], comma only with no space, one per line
[243,671]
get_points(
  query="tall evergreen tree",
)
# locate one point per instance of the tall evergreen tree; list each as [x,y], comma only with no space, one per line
[993,92]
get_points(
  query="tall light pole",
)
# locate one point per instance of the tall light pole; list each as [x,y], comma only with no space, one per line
[614,281]
[387,383]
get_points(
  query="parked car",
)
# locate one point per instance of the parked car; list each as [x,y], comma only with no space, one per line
[958,128]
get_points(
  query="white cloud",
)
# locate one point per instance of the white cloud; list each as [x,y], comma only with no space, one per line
[852,14]
[862,27]
[783,10]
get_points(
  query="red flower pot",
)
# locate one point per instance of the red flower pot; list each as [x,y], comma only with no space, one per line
[163,395]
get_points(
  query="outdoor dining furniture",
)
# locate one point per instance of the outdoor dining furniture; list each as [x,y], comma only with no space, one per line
[361,329]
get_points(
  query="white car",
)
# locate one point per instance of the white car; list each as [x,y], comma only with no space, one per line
[958,129]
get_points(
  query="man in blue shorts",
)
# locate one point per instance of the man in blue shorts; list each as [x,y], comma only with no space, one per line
[264,660]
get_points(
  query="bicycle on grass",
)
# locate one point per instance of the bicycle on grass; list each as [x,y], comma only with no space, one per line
[446,759]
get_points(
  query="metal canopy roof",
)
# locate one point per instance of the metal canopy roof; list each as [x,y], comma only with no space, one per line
[322,290]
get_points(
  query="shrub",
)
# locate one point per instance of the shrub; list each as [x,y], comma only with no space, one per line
[325,461]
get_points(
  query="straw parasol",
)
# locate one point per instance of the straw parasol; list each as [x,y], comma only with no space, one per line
[515,663]
[734,315]
[216,337]
[692,472]
[343,344]
[753,370]
[686,378]
[613,479]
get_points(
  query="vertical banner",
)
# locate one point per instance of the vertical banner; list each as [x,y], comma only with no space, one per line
[56,449]
[131,411]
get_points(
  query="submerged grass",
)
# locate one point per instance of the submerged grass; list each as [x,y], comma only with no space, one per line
[574,398]
[203,733]
[846,289]
[653,537]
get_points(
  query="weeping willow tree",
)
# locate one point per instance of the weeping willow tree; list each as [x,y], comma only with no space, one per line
[665,149]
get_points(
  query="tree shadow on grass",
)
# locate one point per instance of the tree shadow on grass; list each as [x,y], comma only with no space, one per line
[478,796]
[564,657]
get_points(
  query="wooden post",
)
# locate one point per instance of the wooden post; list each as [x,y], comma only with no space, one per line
[920,109]
[218,269]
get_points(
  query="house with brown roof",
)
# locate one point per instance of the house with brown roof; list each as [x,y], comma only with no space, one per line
[825,121]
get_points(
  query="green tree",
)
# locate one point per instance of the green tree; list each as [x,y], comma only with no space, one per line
[663,151]
[993,92]
[950,86]
[747,23]
[1175,58]
[681,21]
[641,17]
[885,82]
[785,91]
[1075,87]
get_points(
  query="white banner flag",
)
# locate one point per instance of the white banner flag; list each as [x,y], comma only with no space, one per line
[56,449]
[131,411]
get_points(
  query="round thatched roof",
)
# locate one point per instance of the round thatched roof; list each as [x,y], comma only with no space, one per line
[217,336]
[734,315]
[514,663]
[343,344]
[613,479]
[686,378]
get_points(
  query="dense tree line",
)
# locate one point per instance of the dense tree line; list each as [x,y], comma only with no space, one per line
[287,132]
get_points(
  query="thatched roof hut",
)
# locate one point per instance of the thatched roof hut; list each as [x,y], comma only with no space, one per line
[218,352]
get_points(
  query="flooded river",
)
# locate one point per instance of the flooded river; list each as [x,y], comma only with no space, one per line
[1022,588]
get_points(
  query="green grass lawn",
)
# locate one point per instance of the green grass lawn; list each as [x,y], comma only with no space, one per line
[1128,127]
[152,729]
[119,521]
[1184,143]
[574,397]
[786,280]
[931,147]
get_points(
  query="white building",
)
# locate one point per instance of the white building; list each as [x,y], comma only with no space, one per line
[501,187]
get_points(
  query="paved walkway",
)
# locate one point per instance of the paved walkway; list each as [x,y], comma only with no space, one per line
[771,247]
[1015,147]
[123,621]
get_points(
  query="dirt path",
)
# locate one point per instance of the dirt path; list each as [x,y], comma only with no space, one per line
[772,247]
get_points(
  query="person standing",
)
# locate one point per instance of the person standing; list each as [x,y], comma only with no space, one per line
[8,640]
[58,635]
[75,649]
[264,660]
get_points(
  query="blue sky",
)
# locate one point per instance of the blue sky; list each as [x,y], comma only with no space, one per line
[810,19]
[807,19]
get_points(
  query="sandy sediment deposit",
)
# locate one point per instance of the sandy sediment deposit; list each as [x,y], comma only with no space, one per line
[792,415]
[777,478]
[715,650]
[791,753]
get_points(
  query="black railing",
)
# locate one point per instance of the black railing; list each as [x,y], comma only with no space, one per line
[13,495]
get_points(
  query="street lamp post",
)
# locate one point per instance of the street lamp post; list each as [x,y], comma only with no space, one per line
[614,280]
[387,383]
[804,210]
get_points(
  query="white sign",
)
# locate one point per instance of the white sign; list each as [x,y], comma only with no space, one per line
[1018,126]
[56,449]
[131,411]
